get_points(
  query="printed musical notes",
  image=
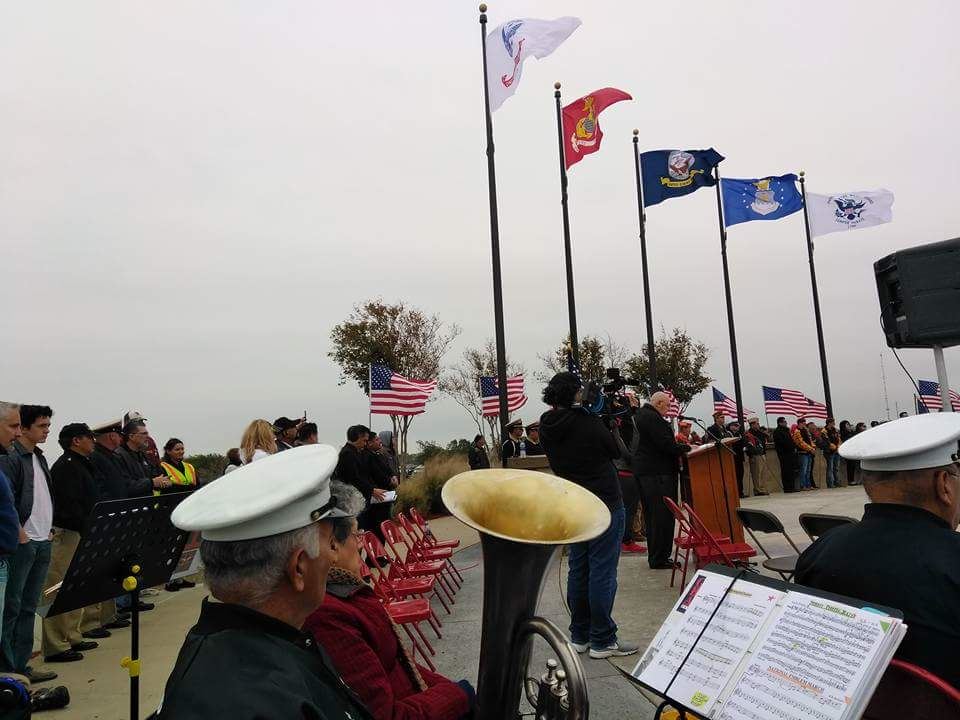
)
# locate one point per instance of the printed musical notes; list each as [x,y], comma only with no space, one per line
[741,648]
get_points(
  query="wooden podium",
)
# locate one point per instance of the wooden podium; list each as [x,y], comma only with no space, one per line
[712,469]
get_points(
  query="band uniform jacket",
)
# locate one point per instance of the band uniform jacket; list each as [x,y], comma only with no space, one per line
[239,664]
[76,489]
[905,558]
[477,457]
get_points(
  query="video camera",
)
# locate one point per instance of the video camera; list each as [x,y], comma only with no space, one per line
[607,398]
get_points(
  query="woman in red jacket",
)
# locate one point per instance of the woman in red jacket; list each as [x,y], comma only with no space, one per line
[364,644]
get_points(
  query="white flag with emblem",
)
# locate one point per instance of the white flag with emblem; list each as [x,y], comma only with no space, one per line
[848,211]
[513,42]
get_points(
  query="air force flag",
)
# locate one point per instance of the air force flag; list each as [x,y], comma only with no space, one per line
[769,198]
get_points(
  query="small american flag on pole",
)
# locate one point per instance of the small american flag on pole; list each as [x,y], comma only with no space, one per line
[726,405]
[674,409]
[490,395]
[393,394]
[930,396]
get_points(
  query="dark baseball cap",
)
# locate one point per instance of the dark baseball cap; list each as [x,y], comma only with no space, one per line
[74,430]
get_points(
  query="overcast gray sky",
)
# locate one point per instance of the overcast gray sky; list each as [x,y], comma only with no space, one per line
[193,193]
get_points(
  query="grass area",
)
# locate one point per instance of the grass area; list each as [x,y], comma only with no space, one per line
[422,491]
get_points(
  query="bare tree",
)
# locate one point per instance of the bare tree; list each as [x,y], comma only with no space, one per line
[405,339]
[462,384]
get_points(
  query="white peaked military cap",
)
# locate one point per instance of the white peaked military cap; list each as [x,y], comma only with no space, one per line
[276,494]
[910,443]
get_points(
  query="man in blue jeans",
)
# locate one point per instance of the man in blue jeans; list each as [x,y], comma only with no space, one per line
[29,478]
[9,521]
[581,449]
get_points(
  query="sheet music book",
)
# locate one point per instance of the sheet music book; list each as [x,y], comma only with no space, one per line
[741,646]
[388,496]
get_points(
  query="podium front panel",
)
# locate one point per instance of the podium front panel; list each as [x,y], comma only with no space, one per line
[711,471]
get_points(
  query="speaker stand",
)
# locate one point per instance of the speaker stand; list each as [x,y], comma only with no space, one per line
[942,379]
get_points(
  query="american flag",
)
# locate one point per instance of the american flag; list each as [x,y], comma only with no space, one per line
[814,409]
[930,396]
[393,394]
[725,405]
[792,402]
[674,409]
[490,395]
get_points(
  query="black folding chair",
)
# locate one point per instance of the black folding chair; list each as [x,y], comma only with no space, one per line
[761,521]
[815,524]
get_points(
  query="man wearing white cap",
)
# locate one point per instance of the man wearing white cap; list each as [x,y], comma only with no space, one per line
[267,546]
[905,553]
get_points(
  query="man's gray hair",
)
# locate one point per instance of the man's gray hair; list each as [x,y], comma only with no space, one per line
[248,572]
[7,407]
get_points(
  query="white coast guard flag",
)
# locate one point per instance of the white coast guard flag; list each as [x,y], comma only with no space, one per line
[513,42]
[848,211]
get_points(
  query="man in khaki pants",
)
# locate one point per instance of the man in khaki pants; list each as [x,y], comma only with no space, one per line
[75,492]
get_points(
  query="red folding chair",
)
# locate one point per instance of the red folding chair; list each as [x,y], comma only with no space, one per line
[426,534]
[685,540]
[403,566]
[708,549]
[423,551]
[402,575]
[909,691]
[406,613]
[400,588]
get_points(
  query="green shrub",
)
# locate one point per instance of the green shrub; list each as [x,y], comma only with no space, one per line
[209,466]
[422,491]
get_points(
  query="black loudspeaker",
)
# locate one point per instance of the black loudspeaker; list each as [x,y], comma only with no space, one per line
[919,291]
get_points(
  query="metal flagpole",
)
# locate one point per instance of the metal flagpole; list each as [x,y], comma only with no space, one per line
[568,255]
[726,286]
[494,239]
[816,300]
[947,404]
[643,259]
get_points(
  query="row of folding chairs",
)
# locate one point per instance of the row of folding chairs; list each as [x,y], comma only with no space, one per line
[695,539]
[813,524]
[409,570]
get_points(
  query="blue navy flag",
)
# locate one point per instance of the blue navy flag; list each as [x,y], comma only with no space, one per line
[769,198]
[672,173]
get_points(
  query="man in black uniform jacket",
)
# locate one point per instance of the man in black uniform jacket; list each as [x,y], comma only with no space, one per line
[786,454]
[656,465]
[905,553]
[477,457]
[267,548]
[511,446]
[353,469]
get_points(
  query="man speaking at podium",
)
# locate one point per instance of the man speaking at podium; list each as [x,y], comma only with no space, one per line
[267,547]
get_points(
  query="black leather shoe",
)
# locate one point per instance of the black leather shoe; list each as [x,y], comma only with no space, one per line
[97,633]
[666,566]
[85,645]
[144,606]
[117,623]
[65,656]
[49,698]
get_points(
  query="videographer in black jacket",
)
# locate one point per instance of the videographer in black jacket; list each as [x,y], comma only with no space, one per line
[656,464]
[581,449]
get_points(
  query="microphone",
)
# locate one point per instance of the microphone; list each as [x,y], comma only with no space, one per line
[687,417]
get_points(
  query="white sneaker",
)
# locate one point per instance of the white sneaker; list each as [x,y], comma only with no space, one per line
[580,647]
[618,648]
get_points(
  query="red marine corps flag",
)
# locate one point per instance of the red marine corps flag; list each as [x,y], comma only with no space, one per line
[581,127]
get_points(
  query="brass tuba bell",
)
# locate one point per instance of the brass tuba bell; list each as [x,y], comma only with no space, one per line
[523,517]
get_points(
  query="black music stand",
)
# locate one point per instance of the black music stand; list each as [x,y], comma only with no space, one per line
[125,545]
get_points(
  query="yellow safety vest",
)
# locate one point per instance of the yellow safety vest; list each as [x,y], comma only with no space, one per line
[177,477]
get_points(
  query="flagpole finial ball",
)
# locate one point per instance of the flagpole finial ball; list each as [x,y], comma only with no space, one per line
[556,86]
[483,7]
[802,173]
[636,132]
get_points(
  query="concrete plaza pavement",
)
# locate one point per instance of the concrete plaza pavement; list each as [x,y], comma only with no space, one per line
[99,687]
